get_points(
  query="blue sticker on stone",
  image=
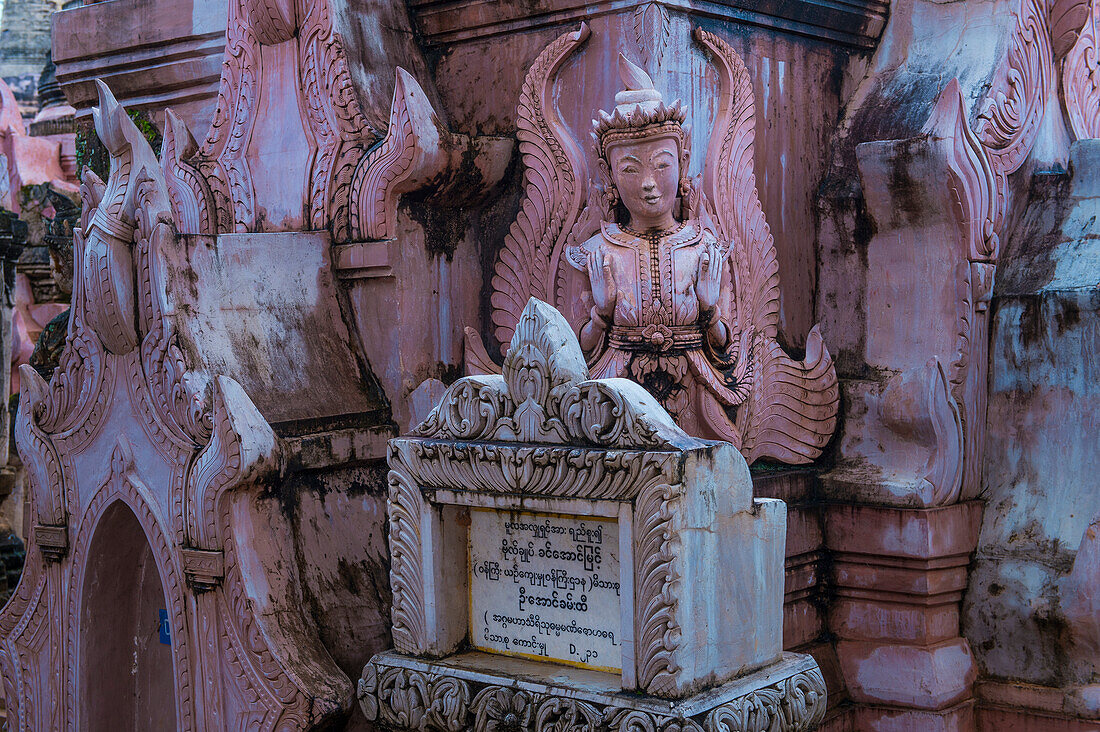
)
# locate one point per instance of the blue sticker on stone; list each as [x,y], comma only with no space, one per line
[165,628]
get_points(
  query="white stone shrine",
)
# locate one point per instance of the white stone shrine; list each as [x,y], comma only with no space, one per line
[564,557]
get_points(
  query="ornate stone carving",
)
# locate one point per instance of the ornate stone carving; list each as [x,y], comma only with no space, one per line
[690,308]
[1081,79]
[418,696]
[655,621]
[543,432]
[544,395]
[415,151]
[406,564]
[199,447]
[345,184]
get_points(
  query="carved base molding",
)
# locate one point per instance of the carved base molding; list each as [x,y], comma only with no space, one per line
[469,692]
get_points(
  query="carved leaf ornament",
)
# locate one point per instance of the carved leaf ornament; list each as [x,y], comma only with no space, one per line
[779,408]
[1081,79]
[352,184]
[544,396]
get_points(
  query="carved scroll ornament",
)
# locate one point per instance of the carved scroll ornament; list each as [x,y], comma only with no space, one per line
[351,185]
[544,395]
[1081,79]
[405,698]
[751,394]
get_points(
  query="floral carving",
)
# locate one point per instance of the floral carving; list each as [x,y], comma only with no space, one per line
[651,31]
[567,715]
[500,709]
[406,507]
[202,444]
[403,698]
[747,391]
[656,626]
[536,470]
[409,698]
[449,705]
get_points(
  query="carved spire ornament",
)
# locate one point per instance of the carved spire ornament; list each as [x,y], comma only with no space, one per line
[188,453]
[668,281]
[1048,35]
[1081,79]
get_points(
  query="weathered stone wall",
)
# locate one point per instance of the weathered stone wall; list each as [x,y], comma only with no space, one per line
[1041,460]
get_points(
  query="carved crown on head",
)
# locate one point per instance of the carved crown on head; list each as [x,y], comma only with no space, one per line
[640,112]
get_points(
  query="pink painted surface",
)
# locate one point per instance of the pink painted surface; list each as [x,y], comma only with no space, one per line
[661,309]
[24,160]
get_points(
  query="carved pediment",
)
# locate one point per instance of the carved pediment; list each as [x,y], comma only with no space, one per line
[544,395]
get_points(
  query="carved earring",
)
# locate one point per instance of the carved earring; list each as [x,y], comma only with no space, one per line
[687,198]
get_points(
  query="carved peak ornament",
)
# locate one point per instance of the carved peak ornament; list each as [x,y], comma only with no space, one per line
[677,291]
[188,453]
[339,173]
[544,395]
[1081,79]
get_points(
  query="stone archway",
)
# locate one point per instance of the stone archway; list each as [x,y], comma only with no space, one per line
[126,673]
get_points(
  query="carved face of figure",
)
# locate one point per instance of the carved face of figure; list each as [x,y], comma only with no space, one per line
[647,176]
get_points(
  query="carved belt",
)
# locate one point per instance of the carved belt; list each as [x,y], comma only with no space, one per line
[655,337]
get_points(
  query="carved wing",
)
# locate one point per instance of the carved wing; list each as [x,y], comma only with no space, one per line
[553,193]
[730,186]
[791,411]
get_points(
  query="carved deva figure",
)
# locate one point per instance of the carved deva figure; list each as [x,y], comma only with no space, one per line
[669,281]
[654,274]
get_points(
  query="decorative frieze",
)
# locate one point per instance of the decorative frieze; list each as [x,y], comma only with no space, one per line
[400,693]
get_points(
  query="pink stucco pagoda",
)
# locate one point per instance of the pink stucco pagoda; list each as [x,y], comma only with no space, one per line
[797,302]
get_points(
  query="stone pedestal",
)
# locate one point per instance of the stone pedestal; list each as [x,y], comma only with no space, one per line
[605,567]
[900,575]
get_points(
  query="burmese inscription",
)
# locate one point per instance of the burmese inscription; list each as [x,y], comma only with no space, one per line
[546,586]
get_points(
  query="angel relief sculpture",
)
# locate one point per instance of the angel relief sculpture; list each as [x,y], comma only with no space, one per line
[669,281]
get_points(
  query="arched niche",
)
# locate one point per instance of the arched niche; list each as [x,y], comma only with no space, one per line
[126,679]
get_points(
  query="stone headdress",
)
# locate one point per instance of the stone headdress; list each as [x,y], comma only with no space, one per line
[640,113]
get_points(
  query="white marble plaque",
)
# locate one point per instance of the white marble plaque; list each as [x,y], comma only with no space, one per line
[546,586]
